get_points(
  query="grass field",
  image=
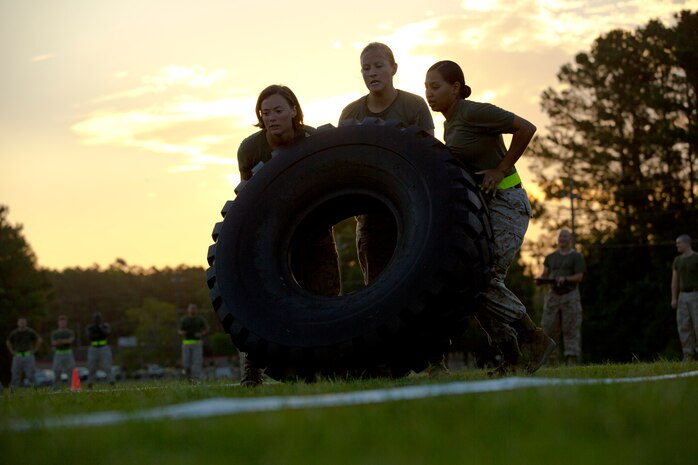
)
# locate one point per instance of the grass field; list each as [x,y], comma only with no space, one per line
[641,423]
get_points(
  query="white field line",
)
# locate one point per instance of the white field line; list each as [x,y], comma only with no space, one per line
[230,406]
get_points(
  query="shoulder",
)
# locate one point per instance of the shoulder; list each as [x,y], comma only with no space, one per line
[410,98]
[251,141]
[354,109]
[309,130]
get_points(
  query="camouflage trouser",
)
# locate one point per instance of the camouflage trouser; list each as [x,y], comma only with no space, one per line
[376,238]
[193,360]
[23,364]
[509,215]
[687,322]
[562,313]
[63,362]
[99,358]
[316,264]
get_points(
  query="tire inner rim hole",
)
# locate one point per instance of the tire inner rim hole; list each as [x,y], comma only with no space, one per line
[341,245]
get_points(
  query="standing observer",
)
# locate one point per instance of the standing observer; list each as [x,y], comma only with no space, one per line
[192,327]
[63,360]
[99,352]
[562,308]
[23,343]
[684,296]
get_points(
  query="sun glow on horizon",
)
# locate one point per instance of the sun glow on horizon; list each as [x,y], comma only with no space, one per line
[134,133]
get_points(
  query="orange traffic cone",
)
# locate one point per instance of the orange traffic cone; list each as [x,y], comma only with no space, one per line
[75,382]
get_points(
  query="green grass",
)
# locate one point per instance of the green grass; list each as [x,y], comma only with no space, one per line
[645,423]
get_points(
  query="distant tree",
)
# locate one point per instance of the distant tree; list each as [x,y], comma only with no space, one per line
[24,289]
[155,325]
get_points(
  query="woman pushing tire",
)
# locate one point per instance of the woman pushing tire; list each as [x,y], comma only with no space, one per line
[437,272]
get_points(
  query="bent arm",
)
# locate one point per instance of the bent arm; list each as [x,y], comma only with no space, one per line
[575,278]
[522,132]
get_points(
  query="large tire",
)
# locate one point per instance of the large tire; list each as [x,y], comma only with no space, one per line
[432,283]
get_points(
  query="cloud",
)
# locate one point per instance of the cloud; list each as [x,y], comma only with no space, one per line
[40,58]
[532,25]
[181,111]
[172,76]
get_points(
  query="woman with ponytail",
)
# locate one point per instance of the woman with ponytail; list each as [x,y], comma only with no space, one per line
[473,131]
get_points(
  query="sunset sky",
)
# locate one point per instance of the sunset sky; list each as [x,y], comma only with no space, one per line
[120,121]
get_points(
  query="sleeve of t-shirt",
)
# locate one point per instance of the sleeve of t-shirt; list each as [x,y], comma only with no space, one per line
[245,157]
[424,118]
[350,111]
[546,262]
[675,265]
[491,118]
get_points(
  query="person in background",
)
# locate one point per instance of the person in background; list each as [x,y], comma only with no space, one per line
[316,263]
[192,327]
[562,307]
[63,360]
[23,342]
[684,296]
[473,132]
[376,235]
[99,352]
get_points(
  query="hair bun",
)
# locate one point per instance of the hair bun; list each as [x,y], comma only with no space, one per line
[466,91]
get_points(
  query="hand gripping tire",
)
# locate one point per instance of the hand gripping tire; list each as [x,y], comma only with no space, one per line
[434,280]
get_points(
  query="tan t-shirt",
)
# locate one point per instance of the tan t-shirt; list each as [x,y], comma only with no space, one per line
[255,148]
[409,109]
[474,133]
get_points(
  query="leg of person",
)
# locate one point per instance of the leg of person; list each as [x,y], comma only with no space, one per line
[693,311]
[186,360]
[16,372]
[315,263]
[197,360]
[685,327]
[571,311]
[252,374]
[69,366]
[61,362]
[361,253]
[30,368]
[376,238]
[502,337]
[509,215]
[56,367]
[321,265]
[92,360]
[550,322]
[106,363]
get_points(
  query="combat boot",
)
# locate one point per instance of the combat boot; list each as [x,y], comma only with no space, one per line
[510,358]
[535,345]
[437,367]
[252,375]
